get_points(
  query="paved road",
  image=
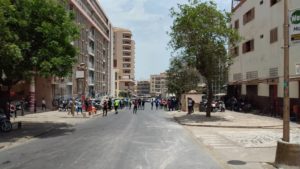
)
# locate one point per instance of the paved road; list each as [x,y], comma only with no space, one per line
[148,140]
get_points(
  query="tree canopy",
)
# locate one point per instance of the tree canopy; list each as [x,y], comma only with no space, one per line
[181,78]
[35,36]
[201,32]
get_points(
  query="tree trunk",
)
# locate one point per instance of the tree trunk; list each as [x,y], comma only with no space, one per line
[7,103]
[209,98]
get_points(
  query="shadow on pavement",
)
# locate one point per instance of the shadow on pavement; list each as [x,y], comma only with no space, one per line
[200,118]
[38,130]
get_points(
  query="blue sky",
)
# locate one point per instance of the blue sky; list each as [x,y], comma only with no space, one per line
[149,20]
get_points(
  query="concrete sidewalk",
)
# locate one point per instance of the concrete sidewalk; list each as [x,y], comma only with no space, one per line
[237,140]
[37,125]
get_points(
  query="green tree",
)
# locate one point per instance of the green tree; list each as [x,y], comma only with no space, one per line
[181,78]
[200,31]
[35,39]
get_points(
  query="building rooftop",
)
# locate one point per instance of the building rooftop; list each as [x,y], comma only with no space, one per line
[237,4]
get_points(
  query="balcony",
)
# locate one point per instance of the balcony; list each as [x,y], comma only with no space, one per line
[91,66]
[91,63]
[127,42]
[127,36]
[91,81]
[91,51]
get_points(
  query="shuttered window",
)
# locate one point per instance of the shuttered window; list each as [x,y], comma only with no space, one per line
[236,24]
[273,35]
[249,16]
[248,46]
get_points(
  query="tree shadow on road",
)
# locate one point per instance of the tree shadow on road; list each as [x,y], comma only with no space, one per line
[200,118]
[37,130]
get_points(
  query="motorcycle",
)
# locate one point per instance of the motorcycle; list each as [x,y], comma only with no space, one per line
[5,124]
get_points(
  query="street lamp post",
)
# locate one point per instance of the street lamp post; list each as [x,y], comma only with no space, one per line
[286,113]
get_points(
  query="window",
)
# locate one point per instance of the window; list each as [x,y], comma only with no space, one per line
[236,24]
[126,65]
[249,16]
[273,35]
[71,7]
[273,2]
[115,63]
[248,46]
[261,2]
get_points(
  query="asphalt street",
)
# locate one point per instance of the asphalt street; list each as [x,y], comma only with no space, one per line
[147,140]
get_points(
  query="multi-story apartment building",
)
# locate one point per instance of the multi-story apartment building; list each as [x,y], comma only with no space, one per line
[94,56]
[158,85]
[143,89]
[257,70]
[124,61]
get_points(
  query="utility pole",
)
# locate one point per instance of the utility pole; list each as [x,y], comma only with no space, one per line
[286,103]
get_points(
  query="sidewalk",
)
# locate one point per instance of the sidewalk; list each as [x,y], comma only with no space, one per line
[37,125]
[238,140]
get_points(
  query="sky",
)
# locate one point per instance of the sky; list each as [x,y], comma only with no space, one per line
[149,21]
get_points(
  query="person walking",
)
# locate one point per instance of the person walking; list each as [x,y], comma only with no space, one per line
[78,107]
[135,106]
[105,107]
[116,105]
[157,104]
[43,104]
[152,104]
[109,104]
[143,104]
[130,103]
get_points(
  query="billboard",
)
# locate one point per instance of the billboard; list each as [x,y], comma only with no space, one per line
[294,20]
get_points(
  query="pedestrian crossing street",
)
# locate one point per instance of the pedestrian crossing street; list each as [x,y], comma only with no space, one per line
[216,141]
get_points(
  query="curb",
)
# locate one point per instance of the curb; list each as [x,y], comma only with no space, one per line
[225,126]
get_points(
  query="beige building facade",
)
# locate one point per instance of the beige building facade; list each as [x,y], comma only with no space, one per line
[143,88]
[123,61]
[257,70]
[158,85]
[94,57]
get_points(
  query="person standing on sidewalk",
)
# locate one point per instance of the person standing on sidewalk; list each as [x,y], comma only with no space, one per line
[43,104]
[190,106]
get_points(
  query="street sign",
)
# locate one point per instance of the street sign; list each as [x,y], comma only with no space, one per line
[294,20]
[79,74]
[297,69]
